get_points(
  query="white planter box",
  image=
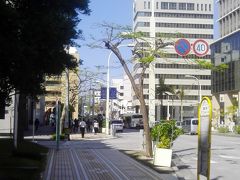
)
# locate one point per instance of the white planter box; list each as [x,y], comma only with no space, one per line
[103,130]
[162,157]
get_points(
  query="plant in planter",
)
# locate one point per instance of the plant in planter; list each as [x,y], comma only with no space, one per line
[164,134]
[104,126]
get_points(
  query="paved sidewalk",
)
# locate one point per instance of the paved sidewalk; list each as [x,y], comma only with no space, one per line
[92,159]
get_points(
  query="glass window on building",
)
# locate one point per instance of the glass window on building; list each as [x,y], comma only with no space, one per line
[210,7]
[182,6]
[172,5]
[164,5]
[149,6]
[197,7]
[121,87]
[145,4]
[157,5]
[201,7]
[190,6]
[205,7]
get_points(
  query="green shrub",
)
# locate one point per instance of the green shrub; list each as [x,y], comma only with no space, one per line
[223,129]
[62,136]
[165,132]
[66,131]
[104,123]
[237,129]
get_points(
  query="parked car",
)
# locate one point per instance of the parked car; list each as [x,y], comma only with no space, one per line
[179,124]
[190,125]
[117,124]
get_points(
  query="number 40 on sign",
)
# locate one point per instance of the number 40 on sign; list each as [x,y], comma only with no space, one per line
[200,47]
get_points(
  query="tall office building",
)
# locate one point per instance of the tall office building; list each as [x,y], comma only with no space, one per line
[226,85]
[171,20]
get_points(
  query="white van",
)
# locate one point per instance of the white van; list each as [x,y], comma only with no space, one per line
[133,120]
[190,125]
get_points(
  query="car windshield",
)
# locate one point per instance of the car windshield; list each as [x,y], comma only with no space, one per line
[117,122]
[137,116]
[195,122]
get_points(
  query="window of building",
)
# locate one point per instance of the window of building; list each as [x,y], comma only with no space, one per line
[201,7]
[149,5]
[190,6]
[205,7]
[145,4]
[157,5]
[197,7]
[183,15]
[183,25]
[121,87]
[164,5]
[172,5]
[121,94]
[182,6]
[143,24]
[210,7]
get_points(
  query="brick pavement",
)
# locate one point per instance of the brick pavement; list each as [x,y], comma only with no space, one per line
[91,159]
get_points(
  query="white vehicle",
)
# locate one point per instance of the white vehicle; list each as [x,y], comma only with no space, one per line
[190,125]
[117,125]
[133,120]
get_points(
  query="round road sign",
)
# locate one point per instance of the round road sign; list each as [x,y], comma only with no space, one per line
[200,47]
[182,47]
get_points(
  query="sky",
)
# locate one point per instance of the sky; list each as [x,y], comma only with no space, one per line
[110,11]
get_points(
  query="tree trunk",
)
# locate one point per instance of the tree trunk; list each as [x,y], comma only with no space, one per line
[63,123]
[181,111]
[148,140]
[22,116]
[139,94]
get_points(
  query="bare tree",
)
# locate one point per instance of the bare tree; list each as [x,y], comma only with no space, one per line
[144,53]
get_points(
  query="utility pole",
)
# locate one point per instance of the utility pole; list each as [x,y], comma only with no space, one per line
[93,101]
[67,99]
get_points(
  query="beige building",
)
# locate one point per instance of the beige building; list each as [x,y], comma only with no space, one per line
[57,88]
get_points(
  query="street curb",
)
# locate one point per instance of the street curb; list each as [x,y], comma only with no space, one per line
[226,134]
[181,170]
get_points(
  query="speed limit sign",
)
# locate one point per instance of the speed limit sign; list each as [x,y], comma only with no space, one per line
[200,47]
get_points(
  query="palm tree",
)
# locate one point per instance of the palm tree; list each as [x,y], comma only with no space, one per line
[161,89]
[180,93]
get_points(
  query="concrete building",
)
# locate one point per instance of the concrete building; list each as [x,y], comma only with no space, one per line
[123,103]
[171,20]
[6,123]
[226,49]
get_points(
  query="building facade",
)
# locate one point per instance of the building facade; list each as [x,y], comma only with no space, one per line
[226,50]
[171,20]
[123,103]
[57,88]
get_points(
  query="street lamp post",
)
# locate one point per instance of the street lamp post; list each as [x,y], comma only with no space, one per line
[108,86]
[199,85]
[168,93]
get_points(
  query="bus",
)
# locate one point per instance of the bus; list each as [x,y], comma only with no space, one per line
[133,121]
[190,125]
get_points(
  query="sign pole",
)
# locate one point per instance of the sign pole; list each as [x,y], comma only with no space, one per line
[204,138]
[57,124]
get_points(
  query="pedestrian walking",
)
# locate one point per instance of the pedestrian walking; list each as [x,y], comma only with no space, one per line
[82,127]
[36,123]
[76,125]
[95,126]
